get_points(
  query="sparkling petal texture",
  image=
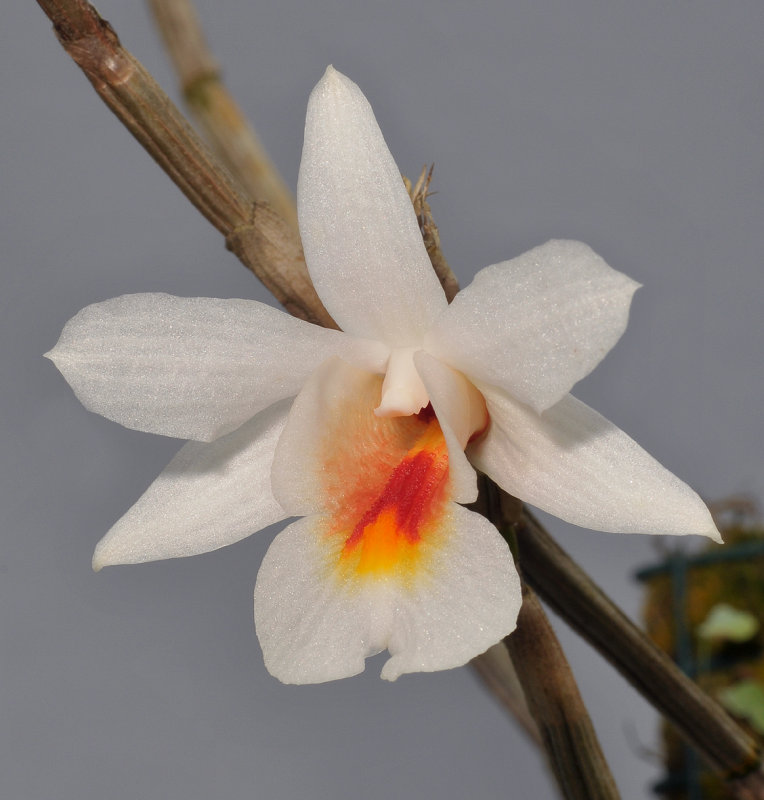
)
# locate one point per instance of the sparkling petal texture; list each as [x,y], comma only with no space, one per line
[316,623]
[359,231]
[537,324]
[310,630]
[195,368]
[209,496]
[469,600]
[573,463]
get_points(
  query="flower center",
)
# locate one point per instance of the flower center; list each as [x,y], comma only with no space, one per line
[403,392]
[388,536]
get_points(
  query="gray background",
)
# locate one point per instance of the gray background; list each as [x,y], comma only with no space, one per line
[637,128]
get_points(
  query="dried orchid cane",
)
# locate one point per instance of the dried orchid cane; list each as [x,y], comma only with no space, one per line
[219,117]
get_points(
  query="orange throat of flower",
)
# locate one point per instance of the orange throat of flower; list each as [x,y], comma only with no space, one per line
[394,513]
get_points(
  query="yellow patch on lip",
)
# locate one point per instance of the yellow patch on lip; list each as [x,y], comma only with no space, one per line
[379,549]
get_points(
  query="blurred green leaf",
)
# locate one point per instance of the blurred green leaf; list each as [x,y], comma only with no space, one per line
[725,622]
[746,700]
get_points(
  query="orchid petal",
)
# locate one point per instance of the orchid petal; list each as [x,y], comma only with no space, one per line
[573,463]
[469,601]
[310,630]
[362,243]
[317,623]
[461,412]
[194,368]
[209,496]
[537,324]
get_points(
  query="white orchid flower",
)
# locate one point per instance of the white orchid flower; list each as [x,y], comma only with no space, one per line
[363,432]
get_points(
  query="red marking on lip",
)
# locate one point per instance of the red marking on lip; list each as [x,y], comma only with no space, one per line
[409,492]
[387,533]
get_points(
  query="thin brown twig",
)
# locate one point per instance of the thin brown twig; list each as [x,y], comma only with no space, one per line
[419,193]
[231,136]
